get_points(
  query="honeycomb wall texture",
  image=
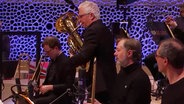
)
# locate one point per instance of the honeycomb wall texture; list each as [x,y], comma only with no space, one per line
[41,15]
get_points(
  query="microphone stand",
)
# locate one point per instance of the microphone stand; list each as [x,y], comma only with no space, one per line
[67,91]
[1,71]
[81,93]
[14,94]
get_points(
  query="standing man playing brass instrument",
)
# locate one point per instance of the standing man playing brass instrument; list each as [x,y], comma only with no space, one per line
[177,24]
[58,78]
[97,42]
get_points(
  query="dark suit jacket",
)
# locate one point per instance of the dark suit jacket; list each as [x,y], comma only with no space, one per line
[59,76]
[99,43]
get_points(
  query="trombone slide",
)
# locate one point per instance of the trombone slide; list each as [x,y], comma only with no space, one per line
[170,31]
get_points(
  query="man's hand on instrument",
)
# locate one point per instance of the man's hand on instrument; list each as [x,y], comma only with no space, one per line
[45,88]
[171,22]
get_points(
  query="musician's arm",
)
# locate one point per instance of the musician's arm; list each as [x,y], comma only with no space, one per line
[68,80]
[178,30]
[179,34]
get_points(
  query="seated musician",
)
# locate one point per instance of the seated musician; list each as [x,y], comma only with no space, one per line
[169,57]
[177,24]
[132,85]
[58,78]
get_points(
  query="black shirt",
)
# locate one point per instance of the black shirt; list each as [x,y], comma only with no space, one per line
[174,93]
[132,86]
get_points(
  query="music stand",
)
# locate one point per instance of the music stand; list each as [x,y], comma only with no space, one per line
[158,30]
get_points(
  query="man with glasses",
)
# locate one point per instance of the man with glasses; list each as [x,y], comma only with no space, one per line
[170,60]
[97,42]
[177,27]
[58,78]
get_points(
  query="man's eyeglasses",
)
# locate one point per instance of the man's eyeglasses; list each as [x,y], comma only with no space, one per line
[48,51]
[156,55]
[80,16]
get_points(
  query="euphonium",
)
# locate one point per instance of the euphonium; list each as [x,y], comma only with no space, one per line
[68,23]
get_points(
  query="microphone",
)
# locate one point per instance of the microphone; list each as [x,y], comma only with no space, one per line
[81,91]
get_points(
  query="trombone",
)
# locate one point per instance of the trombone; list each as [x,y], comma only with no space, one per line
[168,28]
[34,81]
[170,31]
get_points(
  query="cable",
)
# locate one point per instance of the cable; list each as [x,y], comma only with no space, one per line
[67,91]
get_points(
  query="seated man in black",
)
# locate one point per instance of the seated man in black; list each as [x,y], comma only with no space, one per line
[59,76]
[132,85]
[177,24]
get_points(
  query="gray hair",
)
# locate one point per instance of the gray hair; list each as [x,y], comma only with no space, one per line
[135,46]
[173,50]
[91,7]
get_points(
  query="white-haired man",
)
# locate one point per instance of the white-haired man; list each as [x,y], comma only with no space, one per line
[97,42]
